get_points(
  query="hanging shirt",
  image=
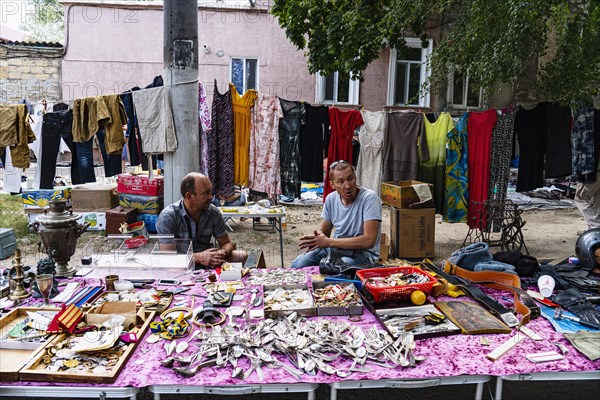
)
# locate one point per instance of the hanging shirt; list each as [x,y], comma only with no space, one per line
[343,124]
[314,136]
[241,128]
[265,173]
[456,196]
[583,144]
[433,170]
[16,132]
[480,127]
[403,146]
[204,124]
[155,120]
[368,169]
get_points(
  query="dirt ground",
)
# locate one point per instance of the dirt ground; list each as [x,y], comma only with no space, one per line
[549,234]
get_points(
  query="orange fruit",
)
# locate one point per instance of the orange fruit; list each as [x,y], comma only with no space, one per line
[418,298]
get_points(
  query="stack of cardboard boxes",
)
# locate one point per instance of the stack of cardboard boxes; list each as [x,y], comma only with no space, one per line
[144,195]
[412,229]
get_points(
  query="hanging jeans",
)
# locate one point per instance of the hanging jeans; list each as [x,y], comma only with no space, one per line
[112,162]
[57,125]
[85,157]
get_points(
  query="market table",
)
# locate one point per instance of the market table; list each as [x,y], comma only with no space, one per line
[245,213]
[450,360]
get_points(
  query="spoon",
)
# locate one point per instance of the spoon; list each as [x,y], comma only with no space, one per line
[182,346]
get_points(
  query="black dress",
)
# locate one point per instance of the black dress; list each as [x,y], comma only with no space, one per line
[314,136]
[289,147]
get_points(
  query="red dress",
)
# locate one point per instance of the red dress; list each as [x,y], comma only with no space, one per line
[343,124]
[479,141]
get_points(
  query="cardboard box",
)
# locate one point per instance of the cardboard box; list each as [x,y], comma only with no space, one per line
[140,184]
[400,194]
[384,247]
[97,220]
[40,198]
[144,204]
[413,233]
[94,197]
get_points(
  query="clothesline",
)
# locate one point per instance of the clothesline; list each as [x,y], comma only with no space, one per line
[35,103]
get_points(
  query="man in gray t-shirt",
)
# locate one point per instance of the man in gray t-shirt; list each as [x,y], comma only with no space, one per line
[355,213]
[194,217]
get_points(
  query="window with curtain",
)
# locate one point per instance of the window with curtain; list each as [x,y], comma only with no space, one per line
[244,73]
[407,74]
[336,88]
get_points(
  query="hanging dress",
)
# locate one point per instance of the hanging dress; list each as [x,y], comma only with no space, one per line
[584,144]
[220,144]
[434,170]
[314,137]
[456,198]
[480,127]
[368,170]
[289,147]
[241,126]
[265,173]
[502,143]
[343,124]
[204,124]
[530,128]
[403,146]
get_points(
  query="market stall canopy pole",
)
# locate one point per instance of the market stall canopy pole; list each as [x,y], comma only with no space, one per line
[180,63]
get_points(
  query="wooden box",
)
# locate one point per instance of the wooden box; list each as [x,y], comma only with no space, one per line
[116,216]
[13,359]
[35,369]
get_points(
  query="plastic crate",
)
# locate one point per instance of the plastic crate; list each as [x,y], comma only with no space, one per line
[394,293]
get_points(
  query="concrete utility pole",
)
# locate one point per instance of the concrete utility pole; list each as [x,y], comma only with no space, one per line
[180,62]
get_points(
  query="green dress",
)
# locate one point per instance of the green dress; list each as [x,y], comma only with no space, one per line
[434,170]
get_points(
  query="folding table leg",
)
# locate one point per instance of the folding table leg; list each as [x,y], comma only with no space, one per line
[498,394]
[333,393]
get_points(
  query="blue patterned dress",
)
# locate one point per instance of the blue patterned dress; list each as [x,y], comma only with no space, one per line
[456,198]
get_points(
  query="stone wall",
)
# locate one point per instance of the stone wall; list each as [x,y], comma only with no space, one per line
[31,71]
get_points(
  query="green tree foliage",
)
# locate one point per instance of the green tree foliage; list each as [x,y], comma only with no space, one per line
[45,22]
[497,41]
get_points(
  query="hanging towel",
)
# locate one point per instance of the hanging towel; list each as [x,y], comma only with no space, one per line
[155,119]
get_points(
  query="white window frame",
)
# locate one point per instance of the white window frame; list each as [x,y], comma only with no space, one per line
[424,98]
[244,58]
[353,90]
[465,89]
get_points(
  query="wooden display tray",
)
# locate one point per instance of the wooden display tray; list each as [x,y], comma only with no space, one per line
[35,370]
[12,360]
[168,296]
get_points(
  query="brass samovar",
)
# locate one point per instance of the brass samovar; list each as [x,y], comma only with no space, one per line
[59,231]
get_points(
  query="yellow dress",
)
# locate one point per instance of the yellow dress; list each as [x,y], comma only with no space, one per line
[241,127]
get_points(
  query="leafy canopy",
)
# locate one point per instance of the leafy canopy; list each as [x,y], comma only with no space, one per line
[45,22]
[497,41]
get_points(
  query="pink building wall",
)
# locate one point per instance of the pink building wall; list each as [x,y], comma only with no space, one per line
[110,50]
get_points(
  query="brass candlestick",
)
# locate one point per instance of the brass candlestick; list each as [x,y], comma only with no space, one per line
[19,291]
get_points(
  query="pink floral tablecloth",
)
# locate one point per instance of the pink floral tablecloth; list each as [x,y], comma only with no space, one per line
[446,356]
